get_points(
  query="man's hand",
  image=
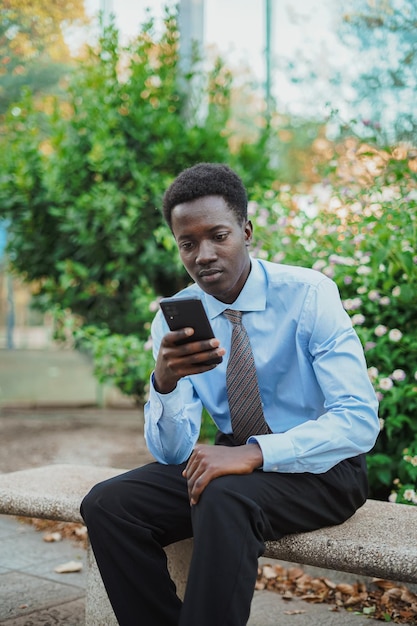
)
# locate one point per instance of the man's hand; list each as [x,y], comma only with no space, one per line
[208,462]
[175,361]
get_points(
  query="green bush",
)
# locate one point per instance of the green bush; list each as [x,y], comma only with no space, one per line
[364,235]
[81,185]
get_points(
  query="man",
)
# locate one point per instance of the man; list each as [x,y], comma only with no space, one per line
[292,462]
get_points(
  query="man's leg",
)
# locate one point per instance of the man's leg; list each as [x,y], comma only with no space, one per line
[236,514]
[129,518]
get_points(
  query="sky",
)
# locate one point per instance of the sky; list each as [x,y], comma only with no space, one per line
[236,28]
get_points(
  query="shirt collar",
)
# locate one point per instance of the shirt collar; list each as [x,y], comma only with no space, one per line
[251,298]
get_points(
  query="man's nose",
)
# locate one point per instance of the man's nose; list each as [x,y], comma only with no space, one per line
[206,253]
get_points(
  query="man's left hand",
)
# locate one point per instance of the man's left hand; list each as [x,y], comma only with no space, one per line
[208,462]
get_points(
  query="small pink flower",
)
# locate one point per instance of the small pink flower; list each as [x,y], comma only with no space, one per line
[373,295]
[398,375]
[154,306]
[380,330]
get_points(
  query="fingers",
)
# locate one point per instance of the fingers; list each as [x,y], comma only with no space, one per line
[197,474]
[188,358]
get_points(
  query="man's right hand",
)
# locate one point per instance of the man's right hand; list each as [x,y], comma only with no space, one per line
[176,361]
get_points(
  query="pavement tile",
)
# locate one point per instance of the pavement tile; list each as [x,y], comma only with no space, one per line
[45,569]
[21,555]
[22,594]
[68,614]
[269,609]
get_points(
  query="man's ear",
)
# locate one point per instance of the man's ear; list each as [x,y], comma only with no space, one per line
[248,230]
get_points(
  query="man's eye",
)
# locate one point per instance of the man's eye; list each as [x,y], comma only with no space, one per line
[186,245]
[221,236]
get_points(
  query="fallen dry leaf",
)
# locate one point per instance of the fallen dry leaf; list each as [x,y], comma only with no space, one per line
[381,599]
[52,537]
[269,572]
[67,568]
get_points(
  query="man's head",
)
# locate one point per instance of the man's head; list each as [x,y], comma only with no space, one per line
[206,210]
[207,179]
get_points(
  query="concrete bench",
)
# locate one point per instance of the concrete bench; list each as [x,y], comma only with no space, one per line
[379,540]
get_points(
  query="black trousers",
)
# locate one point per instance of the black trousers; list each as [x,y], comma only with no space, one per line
[132,516]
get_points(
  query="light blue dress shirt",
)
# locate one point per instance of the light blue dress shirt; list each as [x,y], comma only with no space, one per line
[313,381]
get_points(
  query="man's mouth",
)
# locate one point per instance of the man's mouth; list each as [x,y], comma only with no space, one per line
[209,275]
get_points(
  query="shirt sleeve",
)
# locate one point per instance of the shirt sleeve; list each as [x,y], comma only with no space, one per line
[172,420]
[349,424]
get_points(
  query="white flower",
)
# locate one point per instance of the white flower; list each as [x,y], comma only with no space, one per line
[341,260]
[319,265]
[351,304]
[381,423]
[358,319]
[380,330]
[384,301]
[395,334]
[363,270]
[328,271]
[410,495]
[261,220]
[386,384]
[396,291]
[361,290]
[398,375]
[372,373]
[392,497]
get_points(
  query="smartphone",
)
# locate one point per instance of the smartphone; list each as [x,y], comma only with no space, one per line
[189,312]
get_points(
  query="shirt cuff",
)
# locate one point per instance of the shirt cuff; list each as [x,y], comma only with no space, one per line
[168,403]
[277,451]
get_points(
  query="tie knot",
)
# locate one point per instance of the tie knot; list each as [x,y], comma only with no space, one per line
[233,316]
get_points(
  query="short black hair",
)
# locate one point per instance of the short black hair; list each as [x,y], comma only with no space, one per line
[207,179]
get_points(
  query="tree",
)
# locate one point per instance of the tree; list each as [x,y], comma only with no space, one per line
[383,34]
[33,50]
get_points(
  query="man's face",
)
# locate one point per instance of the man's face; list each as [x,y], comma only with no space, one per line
[213,246]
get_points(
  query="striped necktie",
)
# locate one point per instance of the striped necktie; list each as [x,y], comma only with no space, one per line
[242,384]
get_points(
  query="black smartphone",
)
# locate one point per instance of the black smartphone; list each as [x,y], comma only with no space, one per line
[189,312]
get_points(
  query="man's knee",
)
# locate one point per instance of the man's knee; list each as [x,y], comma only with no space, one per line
[96,501]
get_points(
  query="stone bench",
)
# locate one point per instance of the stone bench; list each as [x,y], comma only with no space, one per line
[379,540]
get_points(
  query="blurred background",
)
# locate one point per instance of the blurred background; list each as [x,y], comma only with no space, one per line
[103,103]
